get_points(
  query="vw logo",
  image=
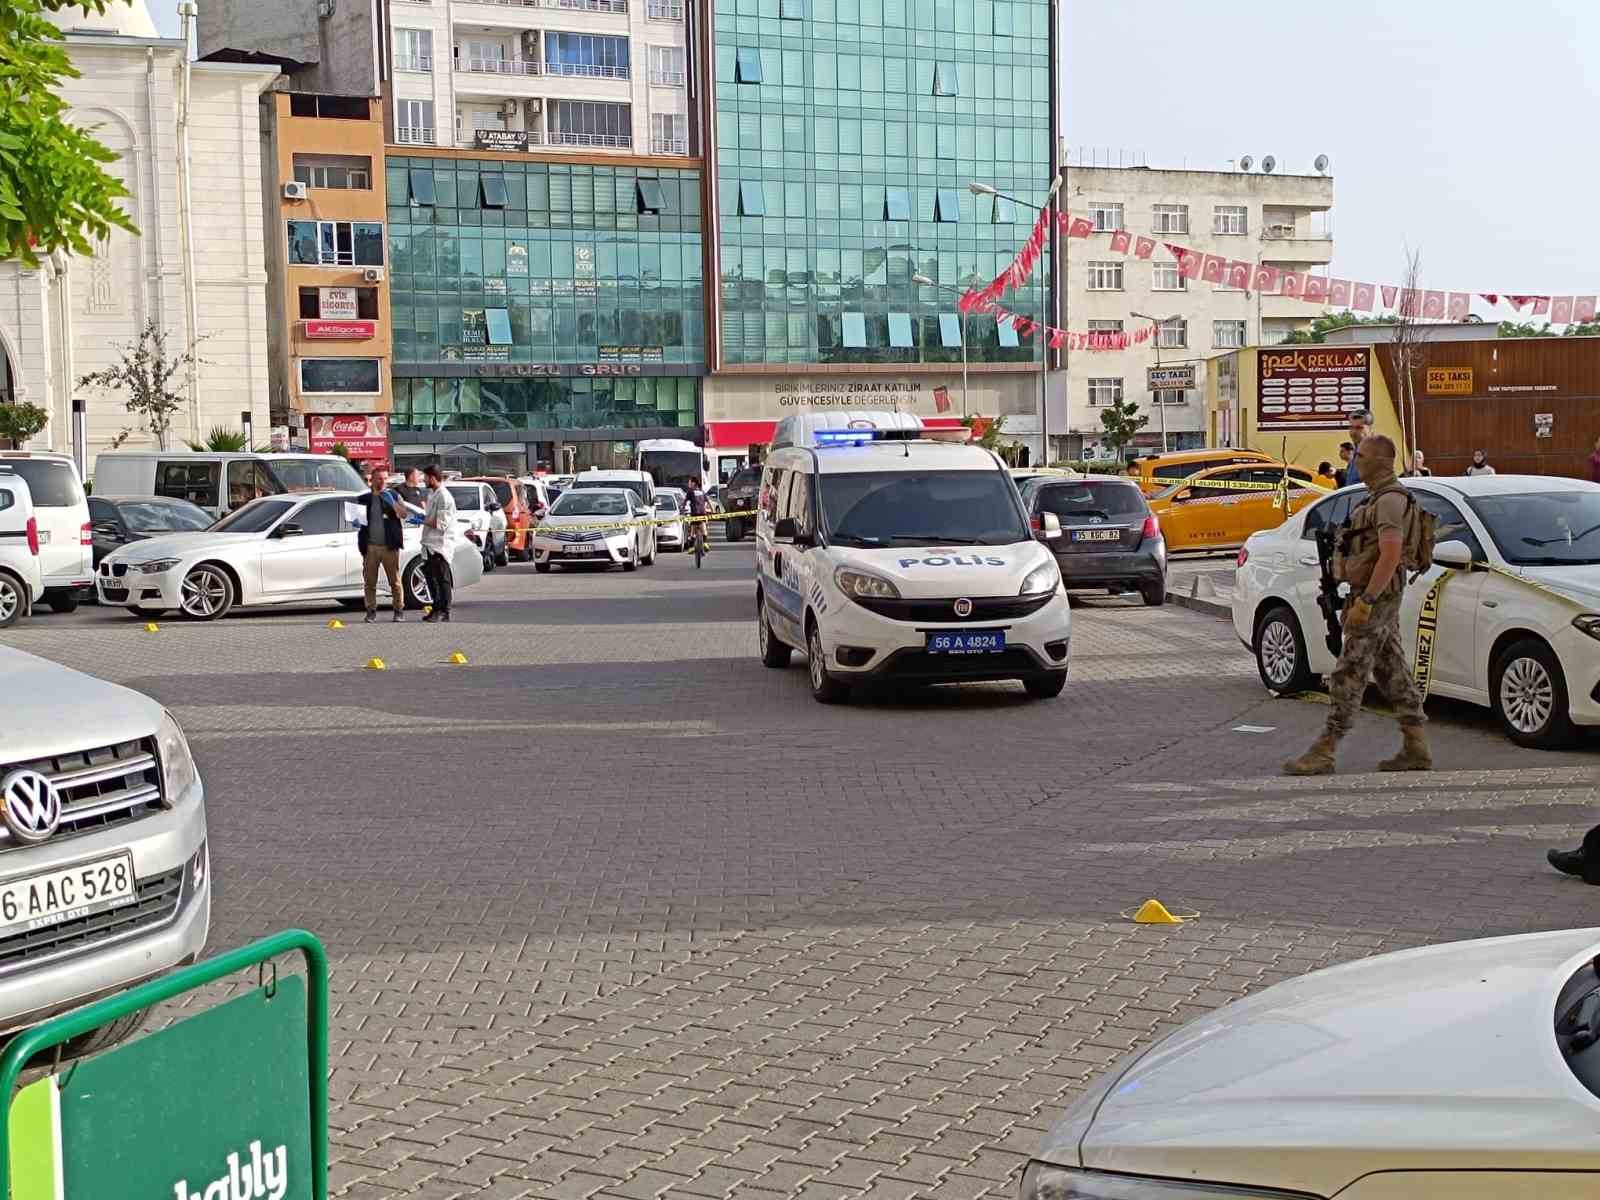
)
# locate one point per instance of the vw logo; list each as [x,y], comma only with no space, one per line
[32,805]
[963,607]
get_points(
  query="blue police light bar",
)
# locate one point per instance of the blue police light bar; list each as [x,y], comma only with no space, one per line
[844,437]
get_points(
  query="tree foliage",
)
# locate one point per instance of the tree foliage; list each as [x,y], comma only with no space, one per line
[1324,325]
[221,439]
[54,191]
[19,422]
[151,380]
[1122,421]
[1527,329]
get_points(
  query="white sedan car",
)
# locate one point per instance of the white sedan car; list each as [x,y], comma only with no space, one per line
[288,549]
[1518,626]
[592,525]
[672,533]
[1467,1071]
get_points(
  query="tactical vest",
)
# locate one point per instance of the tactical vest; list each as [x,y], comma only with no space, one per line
[1356,550]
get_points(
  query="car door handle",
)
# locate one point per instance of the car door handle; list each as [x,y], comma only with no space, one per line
[1491,604]
[1310,560]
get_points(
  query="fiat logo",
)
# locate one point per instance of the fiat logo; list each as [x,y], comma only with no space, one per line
[31,805]
[963,607]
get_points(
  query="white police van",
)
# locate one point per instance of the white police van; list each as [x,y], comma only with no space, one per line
[889,560]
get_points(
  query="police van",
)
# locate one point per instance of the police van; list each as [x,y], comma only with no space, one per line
[887,558]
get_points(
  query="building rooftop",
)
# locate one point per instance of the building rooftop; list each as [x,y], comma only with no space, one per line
[128,18]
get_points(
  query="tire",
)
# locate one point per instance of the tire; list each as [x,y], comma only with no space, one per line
[1280,650]
[734,531]
[206,593]
[651,561]
[415,586]
[774,653]
[103,1038]
[632,563]
[13,599]
[542,567]
[63,602]
[350,605]
[1046,687]
[1154,594]
[1529,693]
[825,689]
[140,610]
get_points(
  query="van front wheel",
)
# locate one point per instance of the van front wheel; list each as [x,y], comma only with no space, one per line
[825,689]
[774,653]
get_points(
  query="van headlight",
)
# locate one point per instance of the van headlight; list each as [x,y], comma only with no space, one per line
[863,585]
[1589,623]
[178,772]
[1041,1181]
[1044,578]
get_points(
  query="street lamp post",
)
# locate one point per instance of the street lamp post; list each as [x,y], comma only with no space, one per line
[986,189]
[924,281]
[1155,336]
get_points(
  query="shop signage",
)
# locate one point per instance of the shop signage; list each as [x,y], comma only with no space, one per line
[499,139]
[362,436]
[1311,388]
[475,353]
[1544,425]
[1168,378]
[516,259]
[653,354]
[278,439]
[1449,381]
[583,270]
[771,397]
[550,370]
[340,330]
[337,303]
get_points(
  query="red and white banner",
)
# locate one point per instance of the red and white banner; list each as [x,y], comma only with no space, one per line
[363,436]
[340,330]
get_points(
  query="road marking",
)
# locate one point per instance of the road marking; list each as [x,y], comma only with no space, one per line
[1254,728]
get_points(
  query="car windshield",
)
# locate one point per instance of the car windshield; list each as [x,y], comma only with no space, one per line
[924,508]
[467,499]
[255,517]
[502,490]
[309,474]
[1107,501]
[148,516]
[667,503]
[54,484]
[749,477]
[591,504]
[1535,529]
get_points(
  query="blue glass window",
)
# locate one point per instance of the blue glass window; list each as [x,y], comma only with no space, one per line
[947,205]
[1008,334]
[747,66]
[1005,211]
[586,54]
[492,186]
[752,202]
[897,204]
[855,330]
[900,330]
[422,186]
[946,80]
[950,331]
[499,326]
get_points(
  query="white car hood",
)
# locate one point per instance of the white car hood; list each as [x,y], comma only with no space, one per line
[1427,1059]
[616,525]
[1582,583]
[67,711]
[937,572]
[179,545]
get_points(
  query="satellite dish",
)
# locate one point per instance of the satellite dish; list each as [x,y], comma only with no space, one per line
[1269,164]
[1321,164]
[1246,163]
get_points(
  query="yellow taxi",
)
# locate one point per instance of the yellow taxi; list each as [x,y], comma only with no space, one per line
[1203,512]
[1156,471]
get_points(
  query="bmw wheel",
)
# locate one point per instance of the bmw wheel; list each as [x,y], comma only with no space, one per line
[206,593]
[1281,653]
[1530,696]
[415,584]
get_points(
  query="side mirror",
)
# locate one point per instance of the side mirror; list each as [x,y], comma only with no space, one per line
[640,510]
[1186,494]
[493,506]
[1455,554]
[1049,527]
[108,529]
[785,530]
[288,529]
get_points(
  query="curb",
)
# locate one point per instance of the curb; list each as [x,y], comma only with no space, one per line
[1211,608]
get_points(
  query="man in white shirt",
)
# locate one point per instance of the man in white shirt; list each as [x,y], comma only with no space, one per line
[437,527]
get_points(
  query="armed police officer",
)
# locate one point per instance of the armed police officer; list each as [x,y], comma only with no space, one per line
[1385,527]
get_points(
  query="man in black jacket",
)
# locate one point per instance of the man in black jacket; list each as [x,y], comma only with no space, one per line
[379,541]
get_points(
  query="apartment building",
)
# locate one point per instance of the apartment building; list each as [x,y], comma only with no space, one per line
[1281,219]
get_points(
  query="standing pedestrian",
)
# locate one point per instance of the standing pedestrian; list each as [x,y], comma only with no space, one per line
[1325,469]
[436,531]
[1480,463]
[1372,562]
[1594,462]
[1347,451]
[364,469]
[1416,464]
[410,489]
[379,543]
[1360,429]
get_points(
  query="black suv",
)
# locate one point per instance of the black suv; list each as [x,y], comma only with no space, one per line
[1109,537]
[739,495]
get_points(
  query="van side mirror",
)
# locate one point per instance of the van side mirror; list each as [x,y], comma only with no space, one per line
[1049,527]
[787,530]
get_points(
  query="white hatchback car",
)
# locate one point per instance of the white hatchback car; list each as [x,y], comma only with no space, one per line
[1518,626]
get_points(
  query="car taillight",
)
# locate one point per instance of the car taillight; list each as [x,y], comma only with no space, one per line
[33,536]
[86,535]
[1152,526]
[1036,523]
[1244,557]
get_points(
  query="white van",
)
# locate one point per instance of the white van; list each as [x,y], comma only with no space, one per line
[219,482]
[905,562]
[21,577]
[66,539]
[803,428]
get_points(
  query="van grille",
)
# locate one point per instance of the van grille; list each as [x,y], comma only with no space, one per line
[156,904]
[100,788]
[943,612]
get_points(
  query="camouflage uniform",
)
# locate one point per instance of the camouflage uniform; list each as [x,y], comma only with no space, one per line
[1373,649]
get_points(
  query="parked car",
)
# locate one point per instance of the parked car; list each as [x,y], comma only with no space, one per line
[62,511]
[1518,624]
[119,520]
[1157,471]
[106,878]
[670,534]
[277,550]
[481,517]
[21,577]
[643,486]
[1464,1071]
[1109,537]
[219,482]
[739,495]
[516,517]
[592,525]
[1204,513]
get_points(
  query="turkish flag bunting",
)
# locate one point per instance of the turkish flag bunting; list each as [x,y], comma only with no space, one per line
[1491,297]
[1238,275]
[1541,305]
[1389,293]
[1082,227]
[1410,302]
[1460,306]
[1211,268]
[1433,305]
[1518,302]
[1584,309]
[1265,279]
[1144,247]
[1057,336]
[1121,240]
[1316,290]
[1561,310]
[1294,283]
[1189,263]
[1361,301]
[1339,293]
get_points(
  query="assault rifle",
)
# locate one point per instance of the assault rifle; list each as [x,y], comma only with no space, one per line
[1328,599]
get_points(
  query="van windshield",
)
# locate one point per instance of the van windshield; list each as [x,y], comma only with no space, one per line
[308,474]
[54,484]
[636,486]
[927,508]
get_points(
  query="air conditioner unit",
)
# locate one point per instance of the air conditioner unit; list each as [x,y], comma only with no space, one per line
[373,274]
[295,190]
[535,107]
[510,108]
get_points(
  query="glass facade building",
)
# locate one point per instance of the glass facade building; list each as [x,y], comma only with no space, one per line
[543,301]
[847,132]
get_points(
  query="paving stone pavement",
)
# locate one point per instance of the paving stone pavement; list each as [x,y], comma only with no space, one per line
[616,912]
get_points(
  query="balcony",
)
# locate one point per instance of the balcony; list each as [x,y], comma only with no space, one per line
[663,10]
[414,135]
[611,141]
[587,71]
[1290,308]
[497,66]
[413,62]
[602,6]
[1285,244]
[665,78]
[667,145]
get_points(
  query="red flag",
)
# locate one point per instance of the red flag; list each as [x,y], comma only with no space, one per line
[1211,268]
[1237,275]
[1410,302]
[1362,300]
[1584,309]
[1316,289]
[1189,262]
[1057,336]
[1339,293]
[1561,311]
[1389,293]
[1433,305]
[1121,240]
[1082,227]
[1294,283]
[1491,297]
[1519,302]
[1266,279]
[1143,247]
[1460,306]
[1541,305]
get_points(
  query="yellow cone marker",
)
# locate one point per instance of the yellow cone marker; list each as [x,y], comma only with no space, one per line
[1153,912]
[152,627]
[427,609]
[458,659]
[336,624]
[377,664]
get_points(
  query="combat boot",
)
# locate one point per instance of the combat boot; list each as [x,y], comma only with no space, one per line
[1318,760]
[1413,754]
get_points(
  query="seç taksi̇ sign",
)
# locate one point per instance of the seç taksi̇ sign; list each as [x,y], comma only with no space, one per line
[362,436]
[1311,387]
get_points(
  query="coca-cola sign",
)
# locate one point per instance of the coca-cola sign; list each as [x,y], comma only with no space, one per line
[362,436]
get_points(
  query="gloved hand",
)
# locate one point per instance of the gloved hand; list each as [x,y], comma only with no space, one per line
[1357,613]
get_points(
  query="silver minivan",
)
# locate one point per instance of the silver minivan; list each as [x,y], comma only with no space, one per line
[66,550]
[219,482]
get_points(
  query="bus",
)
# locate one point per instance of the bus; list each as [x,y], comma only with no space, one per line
[672,462]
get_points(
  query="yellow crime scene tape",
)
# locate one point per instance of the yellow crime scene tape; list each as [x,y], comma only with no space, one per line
[537,529]
[1240,485]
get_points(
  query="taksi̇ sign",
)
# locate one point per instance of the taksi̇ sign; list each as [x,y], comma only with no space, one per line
[1314,387]
[1162,379]
[1449,381]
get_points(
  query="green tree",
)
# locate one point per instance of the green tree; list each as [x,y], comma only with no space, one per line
[221,438]
[1323,326]
[1527,329]
[151,380]
[54,191]
[19,422]
[1122,421]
